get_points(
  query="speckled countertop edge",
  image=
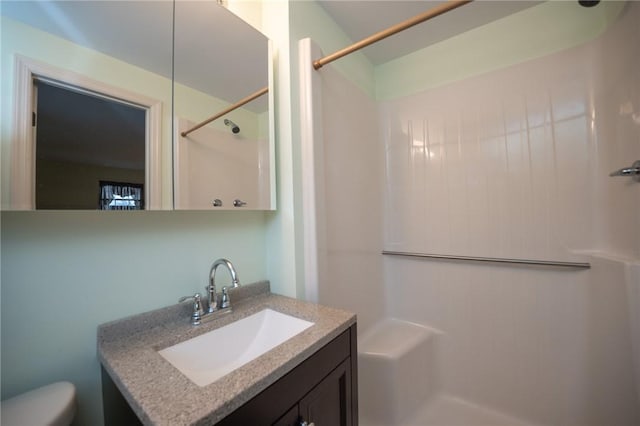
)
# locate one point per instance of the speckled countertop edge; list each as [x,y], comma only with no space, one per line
[162,395]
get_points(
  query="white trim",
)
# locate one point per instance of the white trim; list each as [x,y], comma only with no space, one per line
[177,157]
[23,170]
[272,128]
[311,137]
[22,166]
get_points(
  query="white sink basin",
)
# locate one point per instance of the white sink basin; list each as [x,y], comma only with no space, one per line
[208,357]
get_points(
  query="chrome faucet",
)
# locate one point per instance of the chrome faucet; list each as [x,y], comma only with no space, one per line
[213,309]
[211,288]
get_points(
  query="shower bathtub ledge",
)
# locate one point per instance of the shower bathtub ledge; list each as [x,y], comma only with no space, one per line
[398,369]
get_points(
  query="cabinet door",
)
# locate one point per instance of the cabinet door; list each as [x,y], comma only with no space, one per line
[329,403]
[289,419]
[330,371]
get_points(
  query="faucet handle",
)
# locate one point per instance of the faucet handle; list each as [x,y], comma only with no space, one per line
[197,313]
[226,302]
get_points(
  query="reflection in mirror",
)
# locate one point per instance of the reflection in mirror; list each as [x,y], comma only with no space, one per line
[90,151]
[219,61]
[93,48]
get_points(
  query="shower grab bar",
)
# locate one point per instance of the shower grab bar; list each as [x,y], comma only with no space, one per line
[575,265]
[633,171]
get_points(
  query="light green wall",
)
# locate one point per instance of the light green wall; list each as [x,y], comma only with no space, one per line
[534,32]
[531,33]
[63,273]
[309,20]
[283,267]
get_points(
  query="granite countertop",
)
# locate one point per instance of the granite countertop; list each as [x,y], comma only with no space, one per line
[161,395]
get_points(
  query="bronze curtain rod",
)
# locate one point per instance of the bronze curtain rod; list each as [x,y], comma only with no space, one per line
[228,110]
[425,16]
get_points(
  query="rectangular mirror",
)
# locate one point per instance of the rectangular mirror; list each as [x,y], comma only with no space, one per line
[87,106]
[223,139]
[90,92]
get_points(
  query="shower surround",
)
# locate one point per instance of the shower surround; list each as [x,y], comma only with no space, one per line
[512,163]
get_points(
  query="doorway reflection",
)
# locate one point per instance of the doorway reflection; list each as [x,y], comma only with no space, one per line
[88,146]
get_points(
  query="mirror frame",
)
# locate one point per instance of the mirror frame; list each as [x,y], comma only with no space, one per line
[23,168]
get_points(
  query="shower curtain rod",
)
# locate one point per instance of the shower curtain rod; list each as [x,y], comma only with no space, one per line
[228,110]
[575,265]
[425,16]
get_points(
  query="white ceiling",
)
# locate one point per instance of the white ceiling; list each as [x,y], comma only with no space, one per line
[362,18]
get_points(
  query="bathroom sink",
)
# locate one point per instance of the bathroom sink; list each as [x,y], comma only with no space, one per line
[206,358]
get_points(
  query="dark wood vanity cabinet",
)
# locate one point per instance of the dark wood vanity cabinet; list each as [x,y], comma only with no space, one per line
[322,390]
[327,404]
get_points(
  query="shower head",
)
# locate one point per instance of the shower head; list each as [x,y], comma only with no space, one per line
[588,3]
[234,126]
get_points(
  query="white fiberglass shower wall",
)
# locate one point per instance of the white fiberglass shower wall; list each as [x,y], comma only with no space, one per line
[512,163]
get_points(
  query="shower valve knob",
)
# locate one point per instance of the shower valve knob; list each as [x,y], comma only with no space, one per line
[633,171]
[217,202]
[239,203]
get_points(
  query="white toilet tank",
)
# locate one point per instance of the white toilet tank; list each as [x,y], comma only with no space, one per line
[54,404]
